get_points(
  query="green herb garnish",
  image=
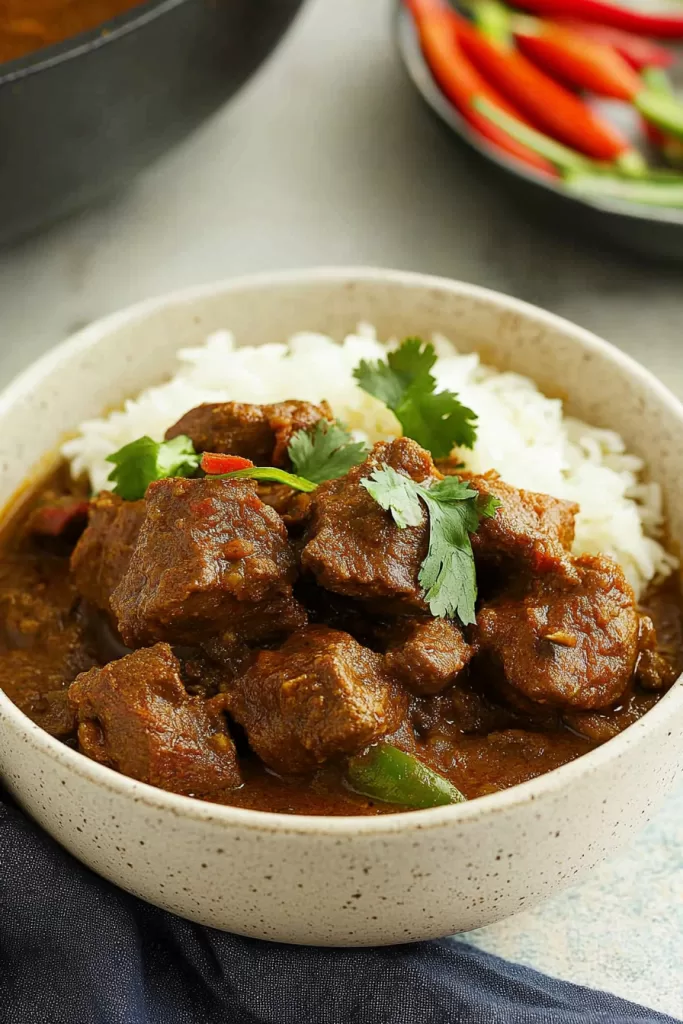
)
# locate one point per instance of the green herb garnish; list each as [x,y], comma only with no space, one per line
[272,475]
[437,420]
[137,464]
[447,575]
[386,773]
[325,452]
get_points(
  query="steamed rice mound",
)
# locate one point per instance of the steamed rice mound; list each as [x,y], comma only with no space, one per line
[521,433]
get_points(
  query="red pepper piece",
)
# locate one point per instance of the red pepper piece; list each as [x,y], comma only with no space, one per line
[551,107]
[576,60]
[461,82]
[58,518]
[214,464]
[661,26]
[638,51]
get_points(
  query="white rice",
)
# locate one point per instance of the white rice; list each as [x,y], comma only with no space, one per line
[521,433]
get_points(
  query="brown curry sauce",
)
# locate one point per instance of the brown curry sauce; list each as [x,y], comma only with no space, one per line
[28,25]
[479,743]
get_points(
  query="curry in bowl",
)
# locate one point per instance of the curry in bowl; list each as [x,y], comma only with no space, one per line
[29,25]
[267,608]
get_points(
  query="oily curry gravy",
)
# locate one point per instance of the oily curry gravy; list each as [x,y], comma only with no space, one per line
[244,643]
[28,25]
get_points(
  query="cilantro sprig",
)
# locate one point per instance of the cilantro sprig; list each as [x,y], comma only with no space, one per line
[403,381]
[447,575]
[137,464]
[325,452]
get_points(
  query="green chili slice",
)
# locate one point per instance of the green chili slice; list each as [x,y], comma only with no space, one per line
[385,773]
[277,476]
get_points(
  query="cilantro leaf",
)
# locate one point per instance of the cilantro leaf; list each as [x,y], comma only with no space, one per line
[397,494]
[325,452]
[435,419]
[447,574]
[389,380]
[137,464]
[438,421]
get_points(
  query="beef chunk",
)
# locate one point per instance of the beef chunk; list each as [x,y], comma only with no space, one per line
[135,715]
[293,506]
[319,696]
[103,552]
[211,668]
[564,644]
[654,670]
[354,547]
[458,711]
[257,432]
[536,531]
[427,654]
[602,726]
[210,559]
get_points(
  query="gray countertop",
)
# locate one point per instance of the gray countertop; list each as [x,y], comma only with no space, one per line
[328,157]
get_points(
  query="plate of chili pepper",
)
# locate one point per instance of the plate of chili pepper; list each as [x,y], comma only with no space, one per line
[575,99]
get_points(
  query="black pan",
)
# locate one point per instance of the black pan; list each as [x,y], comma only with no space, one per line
[80,118]
[646,230]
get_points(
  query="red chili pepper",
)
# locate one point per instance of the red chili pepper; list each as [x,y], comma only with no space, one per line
[576,60]
[461,82]
[554,109]
[216,465]
[639,52]
[662,26]
[66,514]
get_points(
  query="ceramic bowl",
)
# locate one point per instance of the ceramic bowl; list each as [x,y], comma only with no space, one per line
[344,881]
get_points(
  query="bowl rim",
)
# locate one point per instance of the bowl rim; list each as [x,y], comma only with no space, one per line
[102,34]
[347,826]
[419,72]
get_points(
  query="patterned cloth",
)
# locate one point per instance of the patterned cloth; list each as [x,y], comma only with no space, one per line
[76,950]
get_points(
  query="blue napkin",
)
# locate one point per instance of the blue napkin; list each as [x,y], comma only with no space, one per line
[76,950]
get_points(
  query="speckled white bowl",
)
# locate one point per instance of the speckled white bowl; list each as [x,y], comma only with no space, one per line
[344,881]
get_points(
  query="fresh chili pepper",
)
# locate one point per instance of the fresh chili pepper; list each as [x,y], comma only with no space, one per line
[639,52]
[576,60]
[554,109]
[661,26]
[656,192]
[215,464]
[561,156]
[662,110]
[657,188]
[272,475]
[388,774]
[657,81]
[461,82]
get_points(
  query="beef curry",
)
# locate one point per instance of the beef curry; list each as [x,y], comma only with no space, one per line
[28,25]
[259,643]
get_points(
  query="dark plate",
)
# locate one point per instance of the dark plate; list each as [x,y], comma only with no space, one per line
[80,118]
[646,230]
